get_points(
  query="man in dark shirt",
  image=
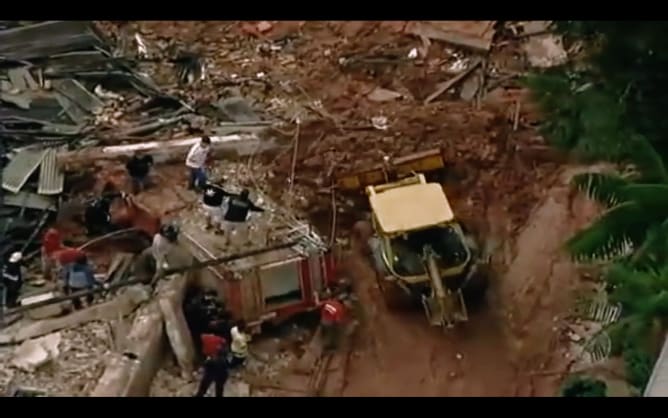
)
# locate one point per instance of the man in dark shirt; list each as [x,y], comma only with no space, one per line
[138,168]
[236,215]
[213,197]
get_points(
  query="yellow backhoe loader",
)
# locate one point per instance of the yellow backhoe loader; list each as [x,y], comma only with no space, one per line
[419,250]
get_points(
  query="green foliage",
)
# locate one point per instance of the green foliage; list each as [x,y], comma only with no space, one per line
[584,387]
[638,367]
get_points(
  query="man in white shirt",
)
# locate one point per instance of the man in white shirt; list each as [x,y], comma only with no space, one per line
[239,346]
[196,160]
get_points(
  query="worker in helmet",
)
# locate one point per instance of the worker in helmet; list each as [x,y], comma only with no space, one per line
[163,242]
[238,208]
[12,280]
[213,198]
[332,316]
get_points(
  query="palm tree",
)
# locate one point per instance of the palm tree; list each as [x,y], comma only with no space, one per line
[637,210]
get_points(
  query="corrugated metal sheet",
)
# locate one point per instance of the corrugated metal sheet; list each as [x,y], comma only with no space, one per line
[51,178]
[30,201]
[20,168]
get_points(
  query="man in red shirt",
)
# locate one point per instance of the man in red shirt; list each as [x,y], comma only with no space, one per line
[55,255]
[332,316]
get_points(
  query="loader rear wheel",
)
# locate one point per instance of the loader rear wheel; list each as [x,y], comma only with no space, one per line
[395,298]
[475,288]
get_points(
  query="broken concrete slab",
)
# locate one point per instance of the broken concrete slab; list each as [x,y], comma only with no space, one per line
[178,333]
[49,311]
[123,304]
[237,109]
[145,345]
[33,354]
[383,95]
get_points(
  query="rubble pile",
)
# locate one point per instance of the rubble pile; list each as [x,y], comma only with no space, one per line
[364,90]
[73,372]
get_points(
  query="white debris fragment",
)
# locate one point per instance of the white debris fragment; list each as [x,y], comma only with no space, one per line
[327,52]
[237,389]
[380,123]
[413,53]
[33,354]
[459,65]
[106,94]
[260,75]
[459,356]
[142,50]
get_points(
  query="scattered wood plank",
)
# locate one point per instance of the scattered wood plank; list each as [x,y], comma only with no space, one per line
[476,35]
[447,85]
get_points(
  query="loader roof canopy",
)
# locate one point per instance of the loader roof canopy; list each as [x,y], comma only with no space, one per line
[412,207]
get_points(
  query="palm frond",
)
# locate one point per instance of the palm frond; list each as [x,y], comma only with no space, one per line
[604,188]
[615,234]
[653,253]
[652,198]
[646,158]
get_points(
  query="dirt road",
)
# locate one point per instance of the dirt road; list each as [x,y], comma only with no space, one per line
[505,346]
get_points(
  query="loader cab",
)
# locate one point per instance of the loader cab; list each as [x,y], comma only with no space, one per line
[410,217]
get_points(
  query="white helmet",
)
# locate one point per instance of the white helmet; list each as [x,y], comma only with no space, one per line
[15,257]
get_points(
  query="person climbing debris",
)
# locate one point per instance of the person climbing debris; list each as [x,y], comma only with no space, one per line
[139,168]
[239,346]
[213,198]
[196,161]
[55,256]
[163,242]
[12,280]
[216,367]
[80,276]
[238,208]
[332,316]
[97,216]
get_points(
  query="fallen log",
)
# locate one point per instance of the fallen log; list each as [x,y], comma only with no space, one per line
[162,151]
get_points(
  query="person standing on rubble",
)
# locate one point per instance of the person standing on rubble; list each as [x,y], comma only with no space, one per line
[51,242]
[236,215]
[239,346]
[12,280]
[163,242]
[196,161]
[80,276]
[216,370]
[97,216]
[213,197]
[138,169]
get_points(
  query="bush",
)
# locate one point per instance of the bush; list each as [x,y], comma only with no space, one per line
[584,387]
[638,365]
